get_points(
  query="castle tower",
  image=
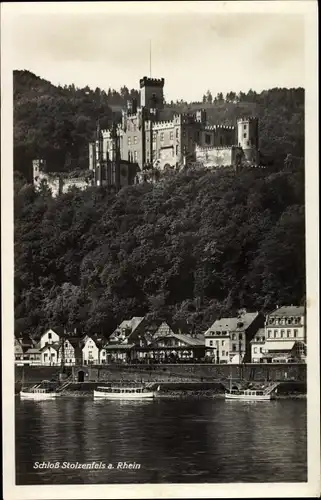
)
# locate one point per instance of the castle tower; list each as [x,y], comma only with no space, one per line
[114,157]
[248,137]
[152,93]
[98,156]
[38,168]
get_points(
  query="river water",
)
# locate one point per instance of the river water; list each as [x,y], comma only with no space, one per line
[165,441]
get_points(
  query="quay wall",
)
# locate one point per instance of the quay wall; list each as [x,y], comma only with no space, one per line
[258,372]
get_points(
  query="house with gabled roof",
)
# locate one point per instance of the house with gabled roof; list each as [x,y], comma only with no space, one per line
[70,351]
[49,354]
[228,339]
[92,348]
[168,341]
[51,336]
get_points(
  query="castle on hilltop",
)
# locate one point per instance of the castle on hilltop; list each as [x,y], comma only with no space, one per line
[145,144]
[145,140]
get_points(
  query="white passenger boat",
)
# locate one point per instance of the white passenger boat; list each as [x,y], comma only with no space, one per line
[44,390]
[248,395]
[38,394]
[123,392]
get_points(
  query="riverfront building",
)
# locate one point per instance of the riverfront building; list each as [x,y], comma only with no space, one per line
[285,334]
[228,339]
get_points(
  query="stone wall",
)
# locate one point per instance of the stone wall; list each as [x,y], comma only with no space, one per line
[174,373]
[216,156]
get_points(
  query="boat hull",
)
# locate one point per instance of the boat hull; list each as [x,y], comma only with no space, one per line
[115,395]
[38,396]
[248,397]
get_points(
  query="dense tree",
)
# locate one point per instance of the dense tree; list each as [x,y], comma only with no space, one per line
[194,246]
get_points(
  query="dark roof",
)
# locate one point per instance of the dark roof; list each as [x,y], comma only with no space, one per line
[55,346]
[238,323]
[118,347]
[75,341]
[288,311]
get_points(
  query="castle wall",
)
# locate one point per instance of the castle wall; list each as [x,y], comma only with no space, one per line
[217,156]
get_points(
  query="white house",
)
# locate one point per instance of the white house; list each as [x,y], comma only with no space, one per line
[49,354]
[285,333]
[49,337]
[228,337]
[257,346]
[90,351]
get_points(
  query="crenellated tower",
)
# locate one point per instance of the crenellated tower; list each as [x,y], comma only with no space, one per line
[248,137]
[152,93]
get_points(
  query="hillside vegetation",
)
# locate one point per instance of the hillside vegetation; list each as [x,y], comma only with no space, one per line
[196,245]
[57,123]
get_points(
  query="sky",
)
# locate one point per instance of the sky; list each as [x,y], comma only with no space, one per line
[193,51]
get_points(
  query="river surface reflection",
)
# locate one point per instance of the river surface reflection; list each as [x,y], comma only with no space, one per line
[187,441]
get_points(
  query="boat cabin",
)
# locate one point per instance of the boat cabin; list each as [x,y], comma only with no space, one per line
[121,390]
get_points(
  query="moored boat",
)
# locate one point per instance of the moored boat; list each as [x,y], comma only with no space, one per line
[125,392]
[44,390]
[248,395]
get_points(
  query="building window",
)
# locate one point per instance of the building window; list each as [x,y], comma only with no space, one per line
[177,133]
[233,336]
[211,342]
[255,350]
[135,139]
[135,155]
[154,136]
[269,333]
[233,347]
[49,336]
[162,136]
[275,333]
[245,135]
[282,334]
[261,349]
[207,139]
[295,333]
[297,321]
[288,333]
[240,336]
[223,353]
[223,342]
[129,141]
[176,150]
[245,126]
[171,135]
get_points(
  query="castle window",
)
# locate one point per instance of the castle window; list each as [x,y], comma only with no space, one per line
[135,155]
[245,126]
[282,334]
[245,135]
[129,141]
[295,333]
[171,135]
[207,139]
[176,150]
[288,333]
[162,136]
[177,131]
[135,139]
[154,136]
[247,143]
